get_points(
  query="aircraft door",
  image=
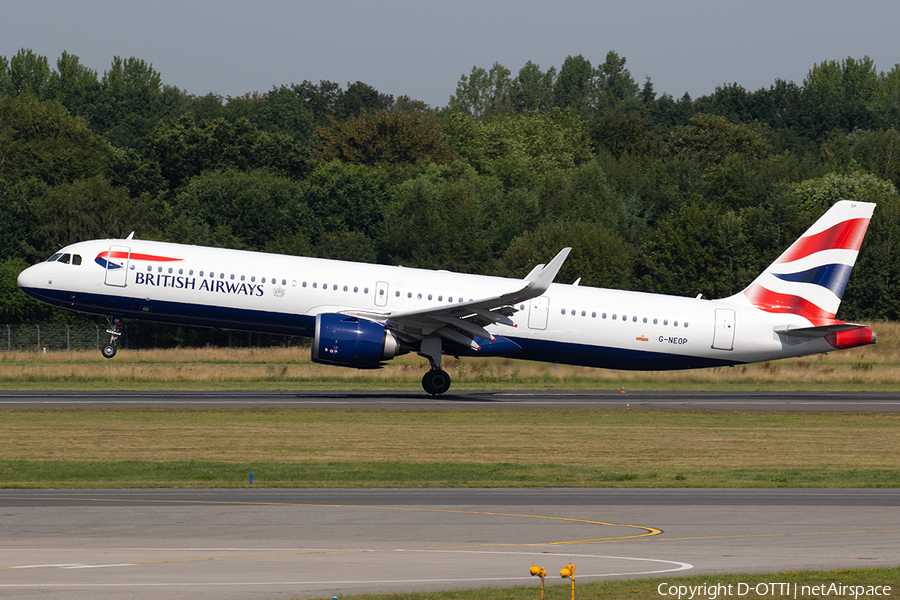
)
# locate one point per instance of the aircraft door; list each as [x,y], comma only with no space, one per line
[117,265]
[723,338]
[381,293]
[538,311]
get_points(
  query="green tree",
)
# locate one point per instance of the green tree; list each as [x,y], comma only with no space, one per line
[254,210]
[532,90]
[696,250]
[622,133]
[711,139]
[346,198]
[616,89]
[520,149]
[320,100]
[41,141]
[6,86]
[440,220]
[380,138]
[17,215]
[283,111]
[29,73]
[130,102]
[74,85]
[878,152]
[88,209]
[185,149]
[572,89]
[358,98]
[483,93]
[599,257]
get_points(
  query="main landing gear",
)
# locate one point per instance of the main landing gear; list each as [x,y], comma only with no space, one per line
[436,381]
[109,350]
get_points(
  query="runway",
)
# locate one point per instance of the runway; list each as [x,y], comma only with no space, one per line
[249,544]
[417,400]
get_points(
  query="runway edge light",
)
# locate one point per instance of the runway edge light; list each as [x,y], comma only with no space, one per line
[537,571]
[568,572]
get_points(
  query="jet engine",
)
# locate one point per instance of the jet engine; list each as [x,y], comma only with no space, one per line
[352,342]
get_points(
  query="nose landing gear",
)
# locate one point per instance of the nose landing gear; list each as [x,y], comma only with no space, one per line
[109,350]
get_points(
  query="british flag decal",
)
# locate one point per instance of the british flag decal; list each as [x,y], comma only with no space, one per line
[810,277]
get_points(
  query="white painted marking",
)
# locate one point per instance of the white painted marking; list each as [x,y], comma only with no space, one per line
[676,566]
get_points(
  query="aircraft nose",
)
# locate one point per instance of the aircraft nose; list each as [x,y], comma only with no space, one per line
[30,278]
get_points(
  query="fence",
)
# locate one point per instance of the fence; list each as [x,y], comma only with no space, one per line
[41,338]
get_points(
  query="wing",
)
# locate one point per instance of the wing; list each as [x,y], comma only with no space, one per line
[459,323]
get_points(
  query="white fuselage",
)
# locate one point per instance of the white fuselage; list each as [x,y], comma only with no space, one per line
[252,291]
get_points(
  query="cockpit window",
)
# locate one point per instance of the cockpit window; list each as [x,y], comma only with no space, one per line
[74,259]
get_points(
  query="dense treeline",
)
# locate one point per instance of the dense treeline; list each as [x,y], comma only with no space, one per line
[654,193]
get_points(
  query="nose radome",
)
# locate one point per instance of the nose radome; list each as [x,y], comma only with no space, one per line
[29,278]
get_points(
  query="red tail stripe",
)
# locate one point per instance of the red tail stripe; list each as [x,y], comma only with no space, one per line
[774,302]
[847,235]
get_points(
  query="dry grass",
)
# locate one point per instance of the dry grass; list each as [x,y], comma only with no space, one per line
[608,439]
[873,367]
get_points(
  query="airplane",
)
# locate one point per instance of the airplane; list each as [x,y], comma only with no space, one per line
[360,315]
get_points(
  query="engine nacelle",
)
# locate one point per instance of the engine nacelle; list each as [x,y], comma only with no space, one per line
[352,342]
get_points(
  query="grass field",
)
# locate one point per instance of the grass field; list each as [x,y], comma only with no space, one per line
[875,368]
[440,448]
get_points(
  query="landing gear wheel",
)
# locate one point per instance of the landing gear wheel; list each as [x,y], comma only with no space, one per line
[109,350]
[436,382]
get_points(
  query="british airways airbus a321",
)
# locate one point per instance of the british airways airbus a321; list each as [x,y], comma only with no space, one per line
[361,314]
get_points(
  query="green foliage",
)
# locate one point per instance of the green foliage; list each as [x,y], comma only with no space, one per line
[382,138]
[40,141]
[17,215]
[817,195]
[252,210]
[573,86]
[185,149]
[29,74]
[616,89]
[711,139]
[439,220]
[520,149]
[283,111]
[599,257]
[88,209]
[696,250]
[345,198]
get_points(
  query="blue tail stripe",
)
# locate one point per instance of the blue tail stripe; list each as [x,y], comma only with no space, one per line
[834,277]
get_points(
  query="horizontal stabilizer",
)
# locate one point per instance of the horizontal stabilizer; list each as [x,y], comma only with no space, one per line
[815,332]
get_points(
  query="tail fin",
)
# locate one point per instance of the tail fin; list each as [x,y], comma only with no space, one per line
[809,278]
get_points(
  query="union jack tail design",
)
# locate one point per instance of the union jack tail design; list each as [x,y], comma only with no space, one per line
[809,278]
